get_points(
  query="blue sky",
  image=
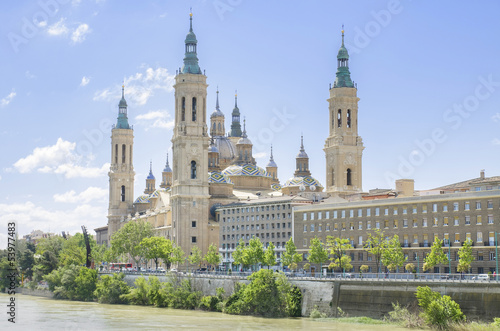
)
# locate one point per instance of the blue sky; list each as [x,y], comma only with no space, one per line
[427,74]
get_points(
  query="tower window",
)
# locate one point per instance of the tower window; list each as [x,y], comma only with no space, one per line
[183,109]
[123,153]
[194,110]
[193,224]
[219,127]
[333,177]
[348,118]
[116,153]
[193,169]
[123,193]
[349,177]
[213,130]
[193,240]
[130,155]
[339,118]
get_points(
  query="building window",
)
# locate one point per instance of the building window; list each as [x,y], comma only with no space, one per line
[377,224]
[467,206]
[490,204]
[343,213]
[124,148]
[467,220]
[183,109]
[479,220]
[360,226]
[368,225]
[434,207]
[386,224]
[334,214]
[193,240]
[405,210]
[414,209]
[116,153]
[405,223]
[386,211]
[193,117]
[304,243]
[339,118]
[327,215]
[123,193]
[435,223]
[455,206]
[304,217]
[368,212]
[377,211]
[193,224]
[319,228]
[193,169]
[445,207]
[348,120]
[360,212]
[395,211]
[478,205]
[490,219]
[424,222]
[445,221]
[424,208]
[349,180]
[351,213]
[395,224]
[305,228]
[312,216]
[415,223]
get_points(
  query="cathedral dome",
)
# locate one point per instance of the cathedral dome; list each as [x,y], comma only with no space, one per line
[217,177]
[245,170]
[343,53]
[225,148]
[217,113]
[144,198]
[306,181]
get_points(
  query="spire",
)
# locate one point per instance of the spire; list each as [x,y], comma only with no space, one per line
[302,152]
[191,58]
[217,102]
[122,112]
[151,176]
[167,166]
[271,160]
[343,76]
[244,135]
[235,124]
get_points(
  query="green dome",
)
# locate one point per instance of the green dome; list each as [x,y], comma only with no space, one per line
[343,53]
[122,103]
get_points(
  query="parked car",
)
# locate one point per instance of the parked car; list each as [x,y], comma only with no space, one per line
[160,269]
[481,277]
[173,270]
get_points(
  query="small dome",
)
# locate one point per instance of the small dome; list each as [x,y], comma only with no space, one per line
[245,170]
[272,164]
[167,168]
[302,154]
[213,149]
[122,103]
[217,113]
[217,177]
[191,38]
[244,141]
[151,176]
[225,147]
[342,53]
[306,181]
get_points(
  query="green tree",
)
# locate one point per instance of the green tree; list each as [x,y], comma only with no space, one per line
[127,240]
[213,257]
[156,248]
[27,260]
[290,255]
[393,256]
[239,255]
[109,289]
[376,244]
[101,253]
[47,256]
[439,311]
[254,252]
[436,256]
[465,256]
[7,268]
[269,256]
[74,251]
[195,257]
[318,254]
[338,252]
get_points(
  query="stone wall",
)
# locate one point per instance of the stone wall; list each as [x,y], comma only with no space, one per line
[370,298]
[36,293]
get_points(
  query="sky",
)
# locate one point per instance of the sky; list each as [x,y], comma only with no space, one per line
[427,74]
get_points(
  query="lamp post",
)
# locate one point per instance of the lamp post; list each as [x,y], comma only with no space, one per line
[496,254]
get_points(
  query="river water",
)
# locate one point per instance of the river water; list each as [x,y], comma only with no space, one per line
[36,313]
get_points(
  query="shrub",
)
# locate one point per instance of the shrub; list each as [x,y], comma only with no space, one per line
[315,313]
[109,289]
[496,322]
[72,282]
[405,318]
[139,294]
[439,311]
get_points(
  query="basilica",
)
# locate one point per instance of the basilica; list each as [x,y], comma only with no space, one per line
[212,167]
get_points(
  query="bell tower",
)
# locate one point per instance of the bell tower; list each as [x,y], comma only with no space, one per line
[190,197]
[121,173]
[343,147]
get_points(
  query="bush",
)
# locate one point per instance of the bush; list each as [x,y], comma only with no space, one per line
[496,322]
[268,294]
[72,282]
[402,316]
[139,294]
[315,313]
[213,303]
[439,311]
[109,289]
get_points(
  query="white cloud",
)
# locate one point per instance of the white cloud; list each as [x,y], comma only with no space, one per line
[59,28]
[60,158]
[495,141]
[5,101]
[260,155]
[30,217]
[29,75]
[91,193]
[139,87]
[79,33]
[156,119]
[85,81]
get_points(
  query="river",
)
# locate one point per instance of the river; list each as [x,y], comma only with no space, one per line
[37,313]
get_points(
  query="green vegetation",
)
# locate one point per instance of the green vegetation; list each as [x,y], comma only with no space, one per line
[375,245]
[109,289]
[465,256]
[439,311]
[317,252]
[269,256]
[436,256]
[213,257]
[72,282]
[393,256]
[338,248]
[128,239]
[195,256]
[290,257]
[268,294]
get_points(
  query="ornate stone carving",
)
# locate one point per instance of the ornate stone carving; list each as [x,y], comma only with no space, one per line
[350,160]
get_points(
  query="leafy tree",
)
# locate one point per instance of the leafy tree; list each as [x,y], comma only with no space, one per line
[109,289]
[195,256]
[393,256]
[176,256]
[436,256]
[101,253]
[86,284]
[439,311]
[138,295]
[127,240]
[156,248]
[72,282]
[5,271]
[376,245]
[254,252]
[27,262]
[337,248]
[465,256]
[239,254]
[213,257]
[290,255]
[318,254]
[47,256]
[269,256]
[74,251]
[364,268]
[410,267]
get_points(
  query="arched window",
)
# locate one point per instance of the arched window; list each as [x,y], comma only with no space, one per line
[130,155]
[123,153]
[333,177]
[339,118]
[116,153]
[183,109]
[349,177]
[193,113]
[348,118]
[123,193]
[213,128]
[246,155]
[219,127]
[193,169]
